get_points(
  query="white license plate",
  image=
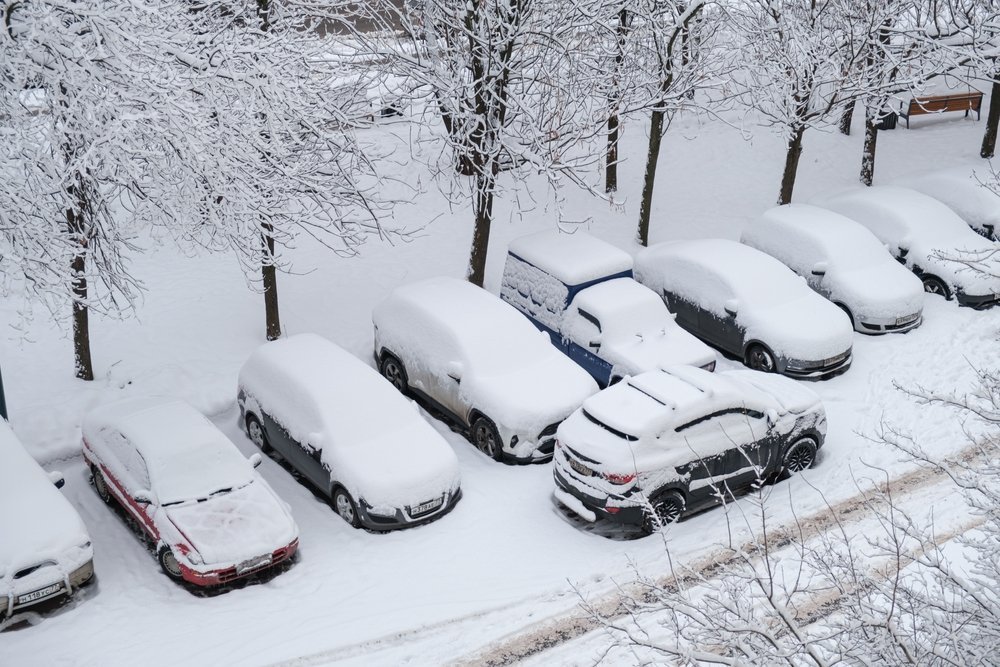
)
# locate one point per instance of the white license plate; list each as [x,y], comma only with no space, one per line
[253,564]
[39,594]
[426,507]
[904,320]
[580,468]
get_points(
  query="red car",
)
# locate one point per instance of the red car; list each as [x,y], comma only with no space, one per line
[212,518]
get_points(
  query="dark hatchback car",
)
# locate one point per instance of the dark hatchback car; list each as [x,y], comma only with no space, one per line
[750,305]
[663,444]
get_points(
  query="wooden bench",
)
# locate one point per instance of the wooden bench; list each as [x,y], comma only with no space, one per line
[969,101]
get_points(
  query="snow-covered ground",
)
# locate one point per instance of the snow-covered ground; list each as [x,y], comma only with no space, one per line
[506,559]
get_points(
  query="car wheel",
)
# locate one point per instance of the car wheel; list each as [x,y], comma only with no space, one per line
[665,508]
[393,371]
[169,564]
[344,504]
[101,485]
[486,438]
[255,430]
[759,359]
[800,456]
[934,285]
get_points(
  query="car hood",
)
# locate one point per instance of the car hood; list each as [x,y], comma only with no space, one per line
[655,349]
[230,528]
[808,328]
[398,468]
[899,292]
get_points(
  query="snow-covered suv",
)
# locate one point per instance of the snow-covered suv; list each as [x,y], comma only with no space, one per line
[481,364]
[656,446]
[580,291]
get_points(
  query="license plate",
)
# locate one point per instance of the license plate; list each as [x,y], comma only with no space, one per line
[253,564]
[904,320]
[426,507]
[580,468]
[39,594]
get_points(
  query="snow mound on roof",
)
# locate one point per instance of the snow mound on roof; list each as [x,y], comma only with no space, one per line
[571,258]
[37,523]
[961,190]
[910,211]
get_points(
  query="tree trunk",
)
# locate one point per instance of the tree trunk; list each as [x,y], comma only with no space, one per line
[871,140]
[792,155]
[269,275]
[649,181]
[992,120]
[846,118]
[483,206]
[75,226]
[611,167]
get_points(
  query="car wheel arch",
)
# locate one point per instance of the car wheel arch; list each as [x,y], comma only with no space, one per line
[749,346]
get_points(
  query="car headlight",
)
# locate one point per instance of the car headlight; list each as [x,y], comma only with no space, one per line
[382,510]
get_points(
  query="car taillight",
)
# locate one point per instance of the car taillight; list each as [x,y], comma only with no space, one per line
[616,478]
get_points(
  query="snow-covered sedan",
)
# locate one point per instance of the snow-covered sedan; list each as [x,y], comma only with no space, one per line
[962,190]
[211,517]
[665,443]
[481,364]
[345,430]
[929,239]
[844,262]
[45,551]
[749,304]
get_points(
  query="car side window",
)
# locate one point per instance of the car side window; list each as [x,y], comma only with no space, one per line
[130,468]
[590,318]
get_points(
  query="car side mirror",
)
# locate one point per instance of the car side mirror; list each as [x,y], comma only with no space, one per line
[819,269]
[455,371]
[903,247]
[57,479]
[143,497]
[772,417]
[255,459]
[732,307]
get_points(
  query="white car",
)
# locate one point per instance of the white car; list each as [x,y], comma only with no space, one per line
[844,262]
[962,191]
[749,304]
[45,551]
[480,363]
[929,239]
[211,517]
[658,445]
[348,432]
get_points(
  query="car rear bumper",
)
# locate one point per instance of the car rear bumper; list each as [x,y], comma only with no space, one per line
[593,507]
[219,577]
[402,518]
[64,588]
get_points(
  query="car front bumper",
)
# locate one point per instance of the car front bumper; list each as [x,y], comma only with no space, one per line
[402,517]
[978,301]
[53,589]
[594,507]
[810,370]
[900,325]
[226,575]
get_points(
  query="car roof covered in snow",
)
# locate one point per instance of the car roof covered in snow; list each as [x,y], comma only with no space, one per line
[909,211]
[36,520]
[962,190]
[185,454]
[571,258]
[838,236]
[623,304]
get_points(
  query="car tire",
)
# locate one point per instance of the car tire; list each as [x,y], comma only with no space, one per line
[257,434]
[392,369]
[486,438]
[101,485]
[934,285]
[168,563]
[345,507]
[800,456]
[666,508]
[760,358]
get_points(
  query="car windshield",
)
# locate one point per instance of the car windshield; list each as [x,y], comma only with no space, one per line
[199,472]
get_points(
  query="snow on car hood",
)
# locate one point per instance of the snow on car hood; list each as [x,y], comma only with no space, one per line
[655,349]
[229,528]
[403,466]
[527,399]
[899,292]
[808,328]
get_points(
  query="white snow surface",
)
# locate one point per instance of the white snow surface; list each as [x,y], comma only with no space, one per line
[373,440]
[638,332]
[37,523]
[774,305]
[963,191]
[510,370]
[571,258]
[860,272]
[186,456]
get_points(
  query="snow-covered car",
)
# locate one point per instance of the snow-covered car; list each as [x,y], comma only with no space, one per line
[345,430]
[749,304]
[45,550]
[929,239]
[480,363]
[844,262]
[580,291]
[665,443]
[962,190]
[212,518]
